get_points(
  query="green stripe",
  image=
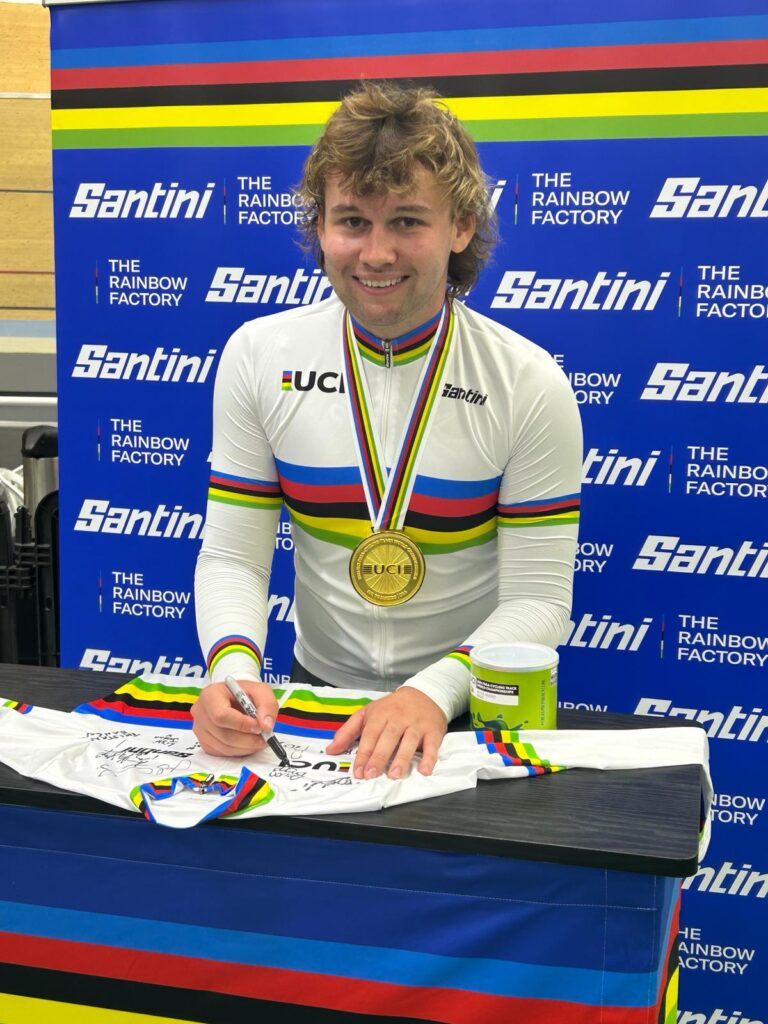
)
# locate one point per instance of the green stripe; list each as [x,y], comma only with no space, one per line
[549,521]
[314,698]
[233,649]
[215,137]
[446,549]
[640,126]
[140,684]
[343,540]
[265,503]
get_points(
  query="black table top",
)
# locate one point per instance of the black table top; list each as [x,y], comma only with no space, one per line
[641,820]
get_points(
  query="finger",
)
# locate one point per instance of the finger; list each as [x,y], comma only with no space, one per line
[227,744]
[215,711]
[369,738]
[430,747]
[265,703]
[402,760]
[347,733]
[386,744]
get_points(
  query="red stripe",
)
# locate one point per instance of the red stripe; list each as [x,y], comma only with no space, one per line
[421,65]
[674,928]
[451,507]
[232,641]
[353,995]
[305,723]
[322,494]
[547,506]
[134,712]
[256,488]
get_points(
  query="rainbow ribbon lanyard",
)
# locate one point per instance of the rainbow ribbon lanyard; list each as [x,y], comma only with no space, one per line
[388,497]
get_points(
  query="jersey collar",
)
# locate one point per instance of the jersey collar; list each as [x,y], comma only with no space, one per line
[404,349]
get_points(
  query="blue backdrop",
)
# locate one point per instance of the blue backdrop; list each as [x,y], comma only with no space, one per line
[627,155]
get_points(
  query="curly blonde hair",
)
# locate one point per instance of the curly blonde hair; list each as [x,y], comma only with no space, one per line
[375,140]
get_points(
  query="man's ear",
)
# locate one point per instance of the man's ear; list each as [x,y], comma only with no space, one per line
[463,232]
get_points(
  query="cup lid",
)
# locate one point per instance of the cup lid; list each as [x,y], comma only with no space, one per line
[515,657]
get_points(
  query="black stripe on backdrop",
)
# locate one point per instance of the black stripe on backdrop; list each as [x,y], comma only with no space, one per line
[534,84]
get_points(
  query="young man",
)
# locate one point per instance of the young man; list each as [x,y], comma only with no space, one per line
[430,458]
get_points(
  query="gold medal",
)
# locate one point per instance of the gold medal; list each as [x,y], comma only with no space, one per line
[387,568]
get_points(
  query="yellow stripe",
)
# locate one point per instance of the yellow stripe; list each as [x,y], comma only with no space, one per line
[564,519]
[611,104]
[157,695]
[358,528]
[234,114]
[26,1010]
[452,537]
[325,709]
[483,108]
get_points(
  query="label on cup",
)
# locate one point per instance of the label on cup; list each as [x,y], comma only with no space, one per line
[513,686]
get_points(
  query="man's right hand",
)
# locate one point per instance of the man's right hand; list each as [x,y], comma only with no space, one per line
[222,729]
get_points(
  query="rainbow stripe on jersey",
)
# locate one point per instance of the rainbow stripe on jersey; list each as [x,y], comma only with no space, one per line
[443,516]
[244,793]
[239,490]
[314,715]
[514,751]
[233,644]
[461,654]
[405,349]
[553,511]
[146,703]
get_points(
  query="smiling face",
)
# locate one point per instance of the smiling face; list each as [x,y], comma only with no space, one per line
[387,255]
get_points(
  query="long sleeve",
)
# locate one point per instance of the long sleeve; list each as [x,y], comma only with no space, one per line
[233,568]
[537,532]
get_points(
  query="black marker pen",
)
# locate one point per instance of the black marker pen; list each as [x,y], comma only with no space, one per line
[246,705]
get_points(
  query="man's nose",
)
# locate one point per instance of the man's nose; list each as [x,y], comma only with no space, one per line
[378,247]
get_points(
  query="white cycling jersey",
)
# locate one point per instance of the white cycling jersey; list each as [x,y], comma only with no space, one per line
[494,508]
[134,748]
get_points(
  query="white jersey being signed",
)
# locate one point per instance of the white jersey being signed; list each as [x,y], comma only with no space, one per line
[135,749]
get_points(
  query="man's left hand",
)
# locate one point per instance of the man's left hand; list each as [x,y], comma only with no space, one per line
[393,728]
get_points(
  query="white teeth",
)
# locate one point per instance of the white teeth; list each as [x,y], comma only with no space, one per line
[381,284]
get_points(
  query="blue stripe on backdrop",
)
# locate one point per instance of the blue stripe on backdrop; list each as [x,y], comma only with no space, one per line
[281,902]
[220,20]
[317,859]
[398,967]
[678,30]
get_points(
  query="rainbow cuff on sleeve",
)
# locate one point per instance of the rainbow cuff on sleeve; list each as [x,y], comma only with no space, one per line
[554,512]
[234,644]
[238,490]
[461,654]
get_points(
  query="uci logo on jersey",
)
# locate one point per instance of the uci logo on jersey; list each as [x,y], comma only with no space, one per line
[307,380]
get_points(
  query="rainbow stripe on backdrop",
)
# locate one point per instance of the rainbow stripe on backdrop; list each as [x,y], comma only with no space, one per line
[146,703]
[314,715]
[239,490]
[516,752]
[443,515]
[112,922]
[647,78]
[233,644]
[553,512]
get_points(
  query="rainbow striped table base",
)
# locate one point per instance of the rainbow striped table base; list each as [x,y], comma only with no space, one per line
[106,920]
